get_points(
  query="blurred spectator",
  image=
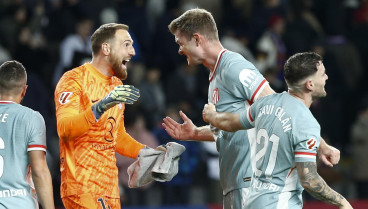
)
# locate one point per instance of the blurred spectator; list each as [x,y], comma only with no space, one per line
[4,54]
[302,28]
[273,76]
[359,139]
[75,49]
[238,42]
[152,100]
[271,50]
[11,22]
[359,34]
[165,52]
[133,13]
[190,82]
[262,11]
[154,10]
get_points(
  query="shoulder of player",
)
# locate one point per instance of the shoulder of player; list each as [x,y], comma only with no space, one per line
[72,76]
[27,113]
[116,81]
[236,63]
[76,72]
[234,58]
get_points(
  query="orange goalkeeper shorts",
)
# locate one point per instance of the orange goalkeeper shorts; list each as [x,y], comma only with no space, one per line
[91,201]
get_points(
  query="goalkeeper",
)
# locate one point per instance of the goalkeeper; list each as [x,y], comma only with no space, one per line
[90,102]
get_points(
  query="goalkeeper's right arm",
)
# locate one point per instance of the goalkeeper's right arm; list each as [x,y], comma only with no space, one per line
[121,94]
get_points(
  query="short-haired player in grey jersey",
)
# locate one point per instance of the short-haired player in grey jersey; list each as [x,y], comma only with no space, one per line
[287,139]
[23,168]
[234,84]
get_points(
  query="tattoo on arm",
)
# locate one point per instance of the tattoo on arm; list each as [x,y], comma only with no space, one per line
[315,185]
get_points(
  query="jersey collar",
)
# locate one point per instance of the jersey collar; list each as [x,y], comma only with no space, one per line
[212,74]
[7,102]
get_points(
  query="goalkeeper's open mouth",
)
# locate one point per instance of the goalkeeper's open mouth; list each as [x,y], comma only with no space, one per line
[125,62]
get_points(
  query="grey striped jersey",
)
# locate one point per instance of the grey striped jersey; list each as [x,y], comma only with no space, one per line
[21,130]
[286,133]
[234,84]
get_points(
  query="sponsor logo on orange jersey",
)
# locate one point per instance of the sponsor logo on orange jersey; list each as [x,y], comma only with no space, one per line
[64,97]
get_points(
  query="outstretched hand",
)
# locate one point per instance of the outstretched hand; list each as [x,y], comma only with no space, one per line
[184,131]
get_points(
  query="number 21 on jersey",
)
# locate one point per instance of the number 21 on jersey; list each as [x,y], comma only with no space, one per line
[260,155]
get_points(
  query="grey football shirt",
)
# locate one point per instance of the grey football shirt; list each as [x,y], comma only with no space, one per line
[21,130]
[234,84]
[286,133]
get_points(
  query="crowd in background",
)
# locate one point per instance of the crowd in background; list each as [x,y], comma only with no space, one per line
[52,36]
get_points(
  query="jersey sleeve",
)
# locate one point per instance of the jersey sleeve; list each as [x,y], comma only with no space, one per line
[73,108]
[306,144]
[37,133]
[125,144]
[246,80]
[247,118]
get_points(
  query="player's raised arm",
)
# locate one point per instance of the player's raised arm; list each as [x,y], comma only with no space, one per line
[317,187]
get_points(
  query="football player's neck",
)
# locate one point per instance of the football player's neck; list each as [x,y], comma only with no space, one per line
[102,66]
[10,98]
[306,98]
[211,54]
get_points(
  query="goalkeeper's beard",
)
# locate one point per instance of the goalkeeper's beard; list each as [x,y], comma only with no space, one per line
[119,71]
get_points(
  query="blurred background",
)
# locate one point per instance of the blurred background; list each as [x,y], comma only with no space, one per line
[52,36]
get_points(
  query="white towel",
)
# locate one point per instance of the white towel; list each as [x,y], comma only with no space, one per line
[155,164]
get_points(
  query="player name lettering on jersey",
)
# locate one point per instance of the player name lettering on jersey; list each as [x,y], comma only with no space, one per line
[279,112]
[12,193]
[264,185]
[3,117]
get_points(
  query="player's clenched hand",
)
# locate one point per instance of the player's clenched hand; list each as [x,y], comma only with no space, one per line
[329,155]
[120,94]
[208,111]
[184,131]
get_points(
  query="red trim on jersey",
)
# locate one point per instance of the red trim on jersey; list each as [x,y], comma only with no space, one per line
[37,146]
[6,102]
[250,116]
[255,93]
[305,153]
[217,63]
[290,172]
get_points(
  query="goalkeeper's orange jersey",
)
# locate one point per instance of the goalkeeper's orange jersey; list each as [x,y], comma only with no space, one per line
[87,146]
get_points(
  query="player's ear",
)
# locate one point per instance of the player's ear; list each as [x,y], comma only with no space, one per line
[197,38]
[309,84]
[24,91]
[105,48]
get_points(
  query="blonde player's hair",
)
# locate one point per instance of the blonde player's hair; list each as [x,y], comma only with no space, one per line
[195,21]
